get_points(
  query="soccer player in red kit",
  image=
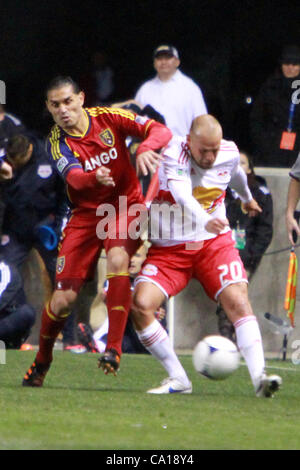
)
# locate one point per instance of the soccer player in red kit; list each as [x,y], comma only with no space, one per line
[88,146]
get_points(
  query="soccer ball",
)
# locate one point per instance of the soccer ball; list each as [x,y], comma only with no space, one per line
[216,357]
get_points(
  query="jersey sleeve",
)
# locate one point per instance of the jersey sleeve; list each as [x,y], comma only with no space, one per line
[239,183]
[62,156]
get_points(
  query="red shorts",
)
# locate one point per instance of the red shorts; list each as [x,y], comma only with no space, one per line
[215,265]
[81,246]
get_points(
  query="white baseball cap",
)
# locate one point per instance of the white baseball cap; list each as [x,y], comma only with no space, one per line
[166,49]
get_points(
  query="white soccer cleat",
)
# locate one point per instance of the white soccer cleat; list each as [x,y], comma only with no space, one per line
[269,384]
[171,385]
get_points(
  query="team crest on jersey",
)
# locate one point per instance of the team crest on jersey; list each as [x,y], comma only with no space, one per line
[150,270]
[223,173]
[60,264]
[107,137]
[209,198]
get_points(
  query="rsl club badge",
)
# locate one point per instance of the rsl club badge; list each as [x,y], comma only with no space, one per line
[107,137]
[60,264]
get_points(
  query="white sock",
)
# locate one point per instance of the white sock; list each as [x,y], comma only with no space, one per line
[249,342]
[156,340]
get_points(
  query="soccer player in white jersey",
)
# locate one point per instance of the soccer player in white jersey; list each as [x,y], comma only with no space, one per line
[195,175]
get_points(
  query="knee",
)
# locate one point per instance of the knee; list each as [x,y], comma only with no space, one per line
[142,307]
[117,260]
[62,301]
[238,306]
[235,302]
[147,298]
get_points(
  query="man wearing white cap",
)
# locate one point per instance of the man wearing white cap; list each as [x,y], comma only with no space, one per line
[172,93]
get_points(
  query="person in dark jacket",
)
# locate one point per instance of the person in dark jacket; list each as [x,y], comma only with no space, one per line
[35,207]
[10,125]
[275,117]
[16,316]
[33,198]
[252,235]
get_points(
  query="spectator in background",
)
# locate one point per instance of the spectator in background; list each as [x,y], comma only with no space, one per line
[35,207]
[275,119]
[252,235]
[10,125]
[172,93]
[16,317]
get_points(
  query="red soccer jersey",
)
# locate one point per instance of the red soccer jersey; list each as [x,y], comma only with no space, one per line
[104,143]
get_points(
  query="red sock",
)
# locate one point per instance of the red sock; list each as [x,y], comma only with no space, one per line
[50,328]
[118,303]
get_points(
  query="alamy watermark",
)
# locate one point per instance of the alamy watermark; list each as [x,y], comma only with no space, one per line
[162,221]
[2,352]
[296,94]
[2,92]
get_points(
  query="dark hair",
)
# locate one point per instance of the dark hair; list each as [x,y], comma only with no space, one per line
[290,55]
[17,146]
[60,81]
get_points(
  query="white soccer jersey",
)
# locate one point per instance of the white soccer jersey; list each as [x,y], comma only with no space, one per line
[171,227]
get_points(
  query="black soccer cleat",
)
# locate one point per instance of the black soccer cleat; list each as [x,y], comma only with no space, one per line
[109,362]
[85,336]
[35,375]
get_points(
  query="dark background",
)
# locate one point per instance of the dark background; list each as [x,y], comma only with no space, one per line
[228,48]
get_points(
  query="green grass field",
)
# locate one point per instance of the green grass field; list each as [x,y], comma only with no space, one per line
[81,408]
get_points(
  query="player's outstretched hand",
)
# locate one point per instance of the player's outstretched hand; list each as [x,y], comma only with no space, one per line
[6,172]
[148,161]
[216,225]
[103,176]
[252,208]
